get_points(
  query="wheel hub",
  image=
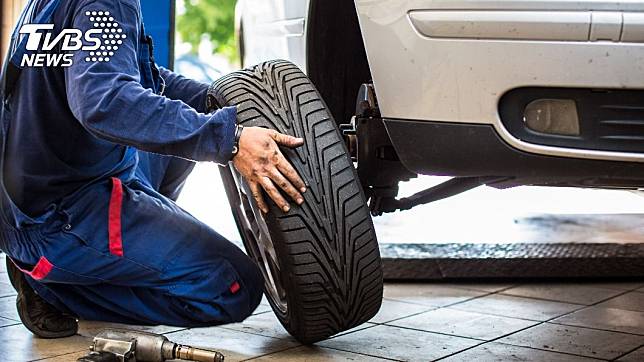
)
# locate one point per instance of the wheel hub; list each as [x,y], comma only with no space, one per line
[259,244]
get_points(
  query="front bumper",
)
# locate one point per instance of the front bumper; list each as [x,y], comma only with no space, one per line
[467,149]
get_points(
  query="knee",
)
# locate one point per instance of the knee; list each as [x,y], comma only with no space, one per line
[251,290]
[243,295]
[216,301]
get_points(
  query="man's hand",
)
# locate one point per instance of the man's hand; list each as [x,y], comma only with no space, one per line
[262,164]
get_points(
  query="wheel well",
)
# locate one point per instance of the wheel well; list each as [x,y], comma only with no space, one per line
[336,58]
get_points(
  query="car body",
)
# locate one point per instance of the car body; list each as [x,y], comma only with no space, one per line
[510,92]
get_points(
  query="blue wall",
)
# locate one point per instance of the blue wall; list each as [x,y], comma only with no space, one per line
[158,17]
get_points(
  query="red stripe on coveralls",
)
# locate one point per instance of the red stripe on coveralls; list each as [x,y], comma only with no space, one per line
[42,268]
[114,218]
[234,288]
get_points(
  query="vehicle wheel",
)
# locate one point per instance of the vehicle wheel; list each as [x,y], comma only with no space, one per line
[320,261]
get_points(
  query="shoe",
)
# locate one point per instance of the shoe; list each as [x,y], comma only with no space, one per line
[39,317]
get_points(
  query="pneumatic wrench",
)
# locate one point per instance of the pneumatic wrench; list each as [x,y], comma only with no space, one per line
[119,345]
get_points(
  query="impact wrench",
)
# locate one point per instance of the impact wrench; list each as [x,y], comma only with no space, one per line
[119,345]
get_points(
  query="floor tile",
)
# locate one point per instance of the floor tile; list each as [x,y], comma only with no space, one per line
[498,352]
[91,328]
[606,318]
[268,325]
[8,308]
[70,357]
[465,324]
[635,356]
[393,309]
[316,354]
[235,345]
[262,308]
[630,301]
[6,289]
[569,293]
[6,322]
[517,307]
[617,285]
[356,328]
[18,344]
[580,341]
[265,324]
[482,287]
[264,300]
[399,343]
[435,295]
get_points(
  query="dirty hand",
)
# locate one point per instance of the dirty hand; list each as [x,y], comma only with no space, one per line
[262,164]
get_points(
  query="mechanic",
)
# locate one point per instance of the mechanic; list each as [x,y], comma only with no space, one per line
[93,157]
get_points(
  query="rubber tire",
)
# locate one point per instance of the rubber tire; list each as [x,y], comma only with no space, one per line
[329,259]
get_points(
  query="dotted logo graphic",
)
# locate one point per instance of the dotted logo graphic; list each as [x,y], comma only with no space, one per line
[111,38]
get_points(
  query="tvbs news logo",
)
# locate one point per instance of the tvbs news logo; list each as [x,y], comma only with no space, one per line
[101,42]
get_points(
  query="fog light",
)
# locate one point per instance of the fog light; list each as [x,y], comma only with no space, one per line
[552,116]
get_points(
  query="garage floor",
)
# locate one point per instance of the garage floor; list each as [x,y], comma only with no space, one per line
[417,322]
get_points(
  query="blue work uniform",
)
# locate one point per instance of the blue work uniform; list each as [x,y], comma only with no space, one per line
[93,156]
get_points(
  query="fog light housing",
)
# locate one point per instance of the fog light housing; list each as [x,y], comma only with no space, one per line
[552,116]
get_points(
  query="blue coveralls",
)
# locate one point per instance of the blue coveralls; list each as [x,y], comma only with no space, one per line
[91,159]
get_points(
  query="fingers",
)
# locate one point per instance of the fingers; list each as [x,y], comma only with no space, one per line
[257,195]
[286,140]
[287,170]
[270,189]
[261,161]
[285,185]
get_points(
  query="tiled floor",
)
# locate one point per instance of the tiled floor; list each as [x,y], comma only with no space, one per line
[418,322]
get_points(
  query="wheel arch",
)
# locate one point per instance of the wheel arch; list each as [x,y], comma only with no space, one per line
[335,55]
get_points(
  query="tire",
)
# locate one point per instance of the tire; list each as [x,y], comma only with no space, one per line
[324,273]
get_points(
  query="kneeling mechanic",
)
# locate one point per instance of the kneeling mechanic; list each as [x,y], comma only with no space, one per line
[92,158]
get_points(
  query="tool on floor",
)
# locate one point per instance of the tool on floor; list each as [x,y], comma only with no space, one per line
[119,345]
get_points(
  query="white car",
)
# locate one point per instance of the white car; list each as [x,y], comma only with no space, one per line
[502,93]
[514,91]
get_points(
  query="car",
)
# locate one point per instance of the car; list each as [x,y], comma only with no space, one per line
[497,93]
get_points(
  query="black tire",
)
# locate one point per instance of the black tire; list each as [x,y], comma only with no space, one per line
[327,256]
